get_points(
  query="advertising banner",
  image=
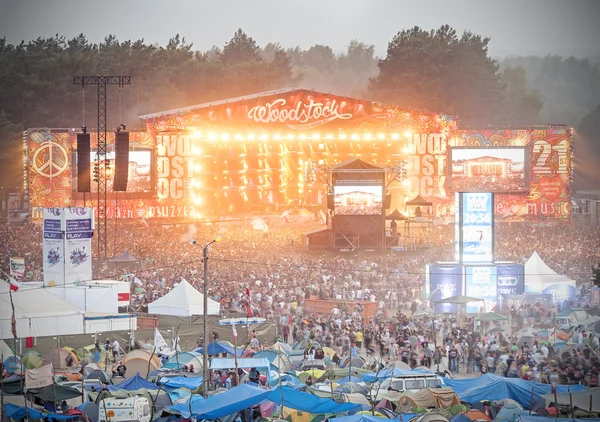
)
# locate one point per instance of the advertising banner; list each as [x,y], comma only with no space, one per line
[445,281]
[481,283]
[53,228]
[79,223]
[510,279]
[17,267]
[477,228]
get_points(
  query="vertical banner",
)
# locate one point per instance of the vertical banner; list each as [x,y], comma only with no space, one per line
[53,246]
[510,280]
[481,283]
[17,267]
[445,281]
[79,223]
[477,228]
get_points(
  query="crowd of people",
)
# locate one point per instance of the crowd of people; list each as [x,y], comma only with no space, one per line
[281,276]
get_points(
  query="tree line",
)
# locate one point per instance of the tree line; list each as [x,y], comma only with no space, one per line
[437,70]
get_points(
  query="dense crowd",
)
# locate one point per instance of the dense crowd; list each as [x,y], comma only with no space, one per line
[270,260]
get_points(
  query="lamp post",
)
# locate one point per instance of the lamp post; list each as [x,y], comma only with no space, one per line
[205,341]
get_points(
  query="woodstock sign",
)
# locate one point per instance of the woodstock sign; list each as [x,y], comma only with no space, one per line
[303,116]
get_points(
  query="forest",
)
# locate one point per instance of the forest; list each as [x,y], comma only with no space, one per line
[437,70]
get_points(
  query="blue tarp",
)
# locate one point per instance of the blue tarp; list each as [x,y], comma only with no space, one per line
[18,412]
[133,384]
[392,373]
[220,405]
[348,379]
[526,418]
[359,418]
[492,387]
[178,382]
[218,347]
[307,402]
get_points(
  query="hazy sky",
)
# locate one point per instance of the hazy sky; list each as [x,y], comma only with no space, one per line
[566,27]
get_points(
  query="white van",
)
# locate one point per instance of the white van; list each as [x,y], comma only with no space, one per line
[411,383]
[126,409]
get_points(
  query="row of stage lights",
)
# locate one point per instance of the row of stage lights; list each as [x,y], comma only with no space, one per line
[212,136]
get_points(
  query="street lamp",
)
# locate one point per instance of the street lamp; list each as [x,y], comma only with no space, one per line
[205,311]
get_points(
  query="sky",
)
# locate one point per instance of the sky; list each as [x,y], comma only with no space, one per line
[516,27]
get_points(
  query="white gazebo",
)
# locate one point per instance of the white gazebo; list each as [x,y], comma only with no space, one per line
[183,300]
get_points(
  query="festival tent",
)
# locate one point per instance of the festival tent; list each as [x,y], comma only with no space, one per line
[581,399]
[307,402]
[133,384]
[490,316]
[220,405]
[443,398]
[140,362]
[32,360]
[540,278]
[492,387]
[278,360]
[55,317]
[178,360]
[218,347]
[183,300]
[58,358]
[124,258]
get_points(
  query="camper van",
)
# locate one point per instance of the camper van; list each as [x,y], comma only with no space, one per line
[126,409]
[411,383]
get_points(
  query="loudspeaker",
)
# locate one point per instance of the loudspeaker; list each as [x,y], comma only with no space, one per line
[121,161]
[387,201]
[330,202]
[83,162]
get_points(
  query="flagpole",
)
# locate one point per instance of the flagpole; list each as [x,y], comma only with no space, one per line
[2,391]
[236,379]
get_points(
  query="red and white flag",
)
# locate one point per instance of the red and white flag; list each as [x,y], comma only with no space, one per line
[248,303]
[233,330]
[14,284]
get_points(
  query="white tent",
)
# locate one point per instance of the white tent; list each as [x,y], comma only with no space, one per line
[183,300]
[540,278]
[38,313]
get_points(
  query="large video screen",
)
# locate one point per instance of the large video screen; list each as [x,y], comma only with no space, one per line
[139,174]
[358,200]
[489,169]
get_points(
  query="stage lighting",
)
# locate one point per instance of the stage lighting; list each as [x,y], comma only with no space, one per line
[408,134]
[395,136]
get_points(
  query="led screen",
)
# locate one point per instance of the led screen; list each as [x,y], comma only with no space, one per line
[489,169]
[476,228]
[358,200]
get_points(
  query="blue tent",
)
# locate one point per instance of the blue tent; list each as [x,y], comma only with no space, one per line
[348,379]
[307,402]
[493,387]
[219,347]
[461,417]
[220,405]
[133,384]
[359,418]
[392,373]
[19,412]
[526,418]
[178,382]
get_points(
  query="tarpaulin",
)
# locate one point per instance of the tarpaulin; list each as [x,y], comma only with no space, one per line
[178,382]
[307,402]
[18,412]
[492,387]
[220,405]
[39,377]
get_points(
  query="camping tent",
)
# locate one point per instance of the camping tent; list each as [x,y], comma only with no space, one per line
[58,358]
[140,361]
[183,300]
[428,397]
[540,278]
[190,359]
[56,316]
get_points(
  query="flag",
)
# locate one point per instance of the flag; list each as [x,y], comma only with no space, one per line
[248,303]
[145,223]
[14,284]
[233,330]
[17,267]
[39,377]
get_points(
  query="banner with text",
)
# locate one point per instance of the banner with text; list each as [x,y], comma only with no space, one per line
[79,224]
[481,283]
[444,281]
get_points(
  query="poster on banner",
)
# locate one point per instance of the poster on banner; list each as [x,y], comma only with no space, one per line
[510,279]
[481,283]
[17,267]
[79,223]
[53,246]
[476,228]
[444,281]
